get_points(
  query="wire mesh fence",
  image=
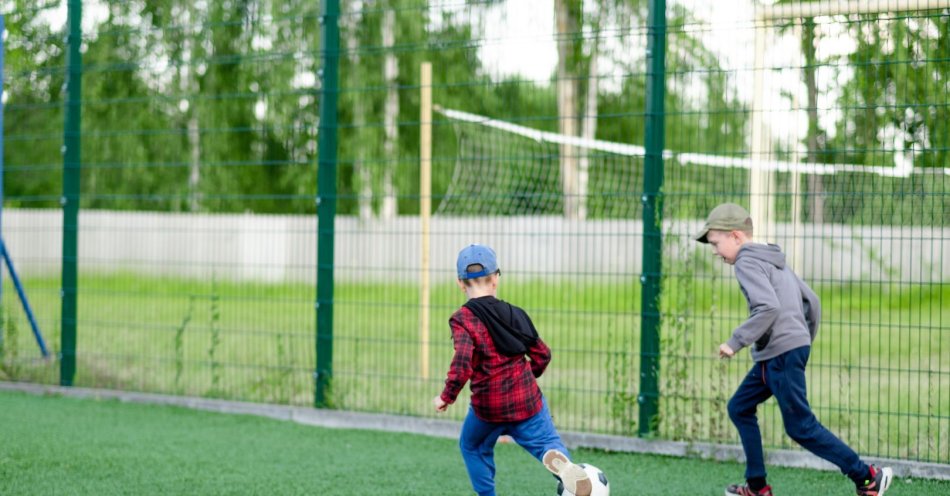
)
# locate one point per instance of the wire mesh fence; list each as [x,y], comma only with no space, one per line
[199,262]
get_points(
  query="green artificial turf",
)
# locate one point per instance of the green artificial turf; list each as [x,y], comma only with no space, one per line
[59,445]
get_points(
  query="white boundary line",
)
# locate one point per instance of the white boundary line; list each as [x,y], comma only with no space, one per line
[337,419]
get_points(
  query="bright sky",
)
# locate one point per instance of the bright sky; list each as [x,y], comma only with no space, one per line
[520,38]
[93,13]
[527,30]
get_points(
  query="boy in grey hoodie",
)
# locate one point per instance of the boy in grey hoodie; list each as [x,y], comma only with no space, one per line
[783,321]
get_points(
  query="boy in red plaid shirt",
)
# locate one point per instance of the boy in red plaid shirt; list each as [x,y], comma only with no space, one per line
[492,339]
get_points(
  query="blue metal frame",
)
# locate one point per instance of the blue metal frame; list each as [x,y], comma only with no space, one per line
[23,299]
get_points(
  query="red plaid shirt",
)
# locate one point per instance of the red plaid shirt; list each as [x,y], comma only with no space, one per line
[504,388]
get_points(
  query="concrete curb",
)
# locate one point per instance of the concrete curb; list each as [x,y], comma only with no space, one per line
[338,419]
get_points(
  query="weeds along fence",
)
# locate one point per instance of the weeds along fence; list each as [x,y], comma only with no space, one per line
[263,200]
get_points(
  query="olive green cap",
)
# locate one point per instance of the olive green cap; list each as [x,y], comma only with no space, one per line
[725,217]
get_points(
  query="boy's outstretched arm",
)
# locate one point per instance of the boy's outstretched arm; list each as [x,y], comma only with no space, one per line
[460,371]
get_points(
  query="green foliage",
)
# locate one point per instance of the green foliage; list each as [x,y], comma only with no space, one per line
[678,391]
[886,115]
[622,371]
[9,346]
[10,358]
[276,385]
[896,62]
[215,331]
[213,106]
[33,117]
[720,427]
[180,343]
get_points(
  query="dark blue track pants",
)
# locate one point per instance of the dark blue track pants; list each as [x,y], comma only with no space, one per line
[784,378]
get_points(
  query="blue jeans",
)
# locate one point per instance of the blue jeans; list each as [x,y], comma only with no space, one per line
[784,378]
[535,434]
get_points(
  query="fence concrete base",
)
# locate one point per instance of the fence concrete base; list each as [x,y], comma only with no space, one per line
[450,429]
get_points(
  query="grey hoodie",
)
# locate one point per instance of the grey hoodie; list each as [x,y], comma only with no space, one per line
[783,311]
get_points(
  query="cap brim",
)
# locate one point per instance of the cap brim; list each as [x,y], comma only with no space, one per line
[701,236]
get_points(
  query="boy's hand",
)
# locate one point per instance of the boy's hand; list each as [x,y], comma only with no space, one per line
[725,351]
[440,405]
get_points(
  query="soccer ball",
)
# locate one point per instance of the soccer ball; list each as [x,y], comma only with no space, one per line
[598,481]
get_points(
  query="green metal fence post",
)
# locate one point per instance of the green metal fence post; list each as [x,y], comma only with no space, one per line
[70,198]
[652,219]
[326,198]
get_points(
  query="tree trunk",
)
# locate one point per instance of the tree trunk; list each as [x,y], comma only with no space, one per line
[362,175]
[815,186]
[567,86]
[588,126]
[194,167]
[391,144]
[188,83]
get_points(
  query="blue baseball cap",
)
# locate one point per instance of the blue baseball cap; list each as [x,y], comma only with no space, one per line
[476,254]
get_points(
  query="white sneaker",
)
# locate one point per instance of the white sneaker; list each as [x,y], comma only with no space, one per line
[879,484]
[574,478]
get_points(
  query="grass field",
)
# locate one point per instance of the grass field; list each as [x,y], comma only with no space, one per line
[66,446]
[880,351]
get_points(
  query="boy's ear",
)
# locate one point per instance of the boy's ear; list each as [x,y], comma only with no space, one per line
[461,284]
